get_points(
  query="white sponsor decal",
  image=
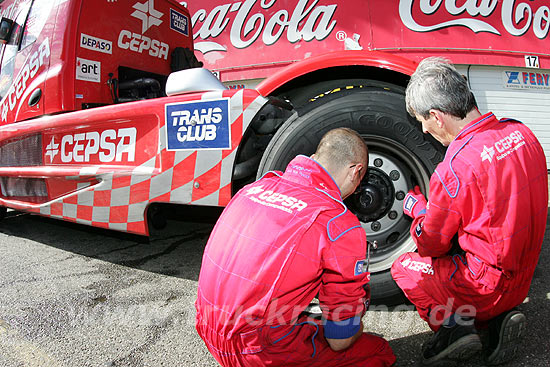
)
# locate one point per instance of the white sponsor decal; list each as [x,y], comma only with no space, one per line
[418,266]
[504,146]
[148,15]
[526,80]
[38,59]
[106,146]
[275,200]
[360,267]
[409,204]
[96,44]
[139,43]
[512,14]
[305,22]
[88,70]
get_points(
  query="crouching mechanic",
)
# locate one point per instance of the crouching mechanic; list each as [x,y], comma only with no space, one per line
[491,191]
[281,241]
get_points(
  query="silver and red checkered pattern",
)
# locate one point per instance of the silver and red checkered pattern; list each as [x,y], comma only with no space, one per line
[119,200]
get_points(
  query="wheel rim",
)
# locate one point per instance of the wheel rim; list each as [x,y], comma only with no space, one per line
[378,201]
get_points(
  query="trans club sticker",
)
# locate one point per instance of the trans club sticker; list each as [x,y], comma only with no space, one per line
[179,22]
[198,125]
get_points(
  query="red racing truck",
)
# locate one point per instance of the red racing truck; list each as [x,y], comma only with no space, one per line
[107,115]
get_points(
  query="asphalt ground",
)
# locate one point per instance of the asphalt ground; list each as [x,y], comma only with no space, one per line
[72,295]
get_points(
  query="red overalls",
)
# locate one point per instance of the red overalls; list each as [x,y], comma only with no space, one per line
[279,243]
[492,190]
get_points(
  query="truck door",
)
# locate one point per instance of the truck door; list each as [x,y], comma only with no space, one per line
[25,60]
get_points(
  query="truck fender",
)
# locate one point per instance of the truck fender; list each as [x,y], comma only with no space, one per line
[336,59]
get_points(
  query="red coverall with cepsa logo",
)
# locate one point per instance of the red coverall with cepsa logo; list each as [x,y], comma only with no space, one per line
[281,241]
[492,190]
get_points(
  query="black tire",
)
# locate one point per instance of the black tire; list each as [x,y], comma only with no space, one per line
[3,211]
[400,156]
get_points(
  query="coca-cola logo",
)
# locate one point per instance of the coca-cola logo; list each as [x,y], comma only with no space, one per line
[517,17]
[307,21]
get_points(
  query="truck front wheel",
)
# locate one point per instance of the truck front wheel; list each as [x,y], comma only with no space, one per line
[400,156]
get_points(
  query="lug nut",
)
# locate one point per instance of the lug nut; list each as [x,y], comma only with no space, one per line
[375,226]
[378,162]
[392,215]
[395,175]
[400,195]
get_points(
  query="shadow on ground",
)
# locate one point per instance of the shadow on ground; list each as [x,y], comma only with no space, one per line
[175,250]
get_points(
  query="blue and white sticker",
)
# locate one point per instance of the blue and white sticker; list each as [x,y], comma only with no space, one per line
[410,202]
[198,125]
[360,267]
[418,230]
[179,22]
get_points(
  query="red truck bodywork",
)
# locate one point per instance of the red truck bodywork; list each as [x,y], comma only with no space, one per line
[103,166]
[260,37]
[88,133]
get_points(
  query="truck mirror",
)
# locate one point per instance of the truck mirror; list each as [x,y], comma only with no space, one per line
[6,26]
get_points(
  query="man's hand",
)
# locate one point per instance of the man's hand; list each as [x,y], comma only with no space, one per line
[415,203]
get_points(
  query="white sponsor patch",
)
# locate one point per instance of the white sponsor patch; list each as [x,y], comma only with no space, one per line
[418,230]
[360,267]
[96,44]
[409,204]
[88,70]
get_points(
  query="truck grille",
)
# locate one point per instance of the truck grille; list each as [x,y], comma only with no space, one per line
[23,152]
[22,187]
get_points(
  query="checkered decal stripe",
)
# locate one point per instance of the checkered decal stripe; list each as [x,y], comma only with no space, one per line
[201,177]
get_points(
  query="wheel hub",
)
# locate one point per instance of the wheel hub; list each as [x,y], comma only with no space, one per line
[374,196]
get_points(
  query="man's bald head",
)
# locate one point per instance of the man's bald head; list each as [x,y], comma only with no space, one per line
[344,155]
[341,147]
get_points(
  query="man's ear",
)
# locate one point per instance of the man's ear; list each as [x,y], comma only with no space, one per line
[438,115]
[357,170]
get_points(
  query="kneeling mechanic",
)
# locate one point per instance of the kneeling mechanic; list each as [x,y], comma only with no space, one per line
[281,241]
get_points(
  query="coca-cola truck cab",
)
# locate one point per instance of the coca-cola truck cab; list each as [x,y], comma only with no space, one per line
[106,114]
[61,56]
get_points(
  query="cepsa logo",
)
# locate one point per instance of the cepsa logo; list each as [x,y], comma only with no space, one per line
[198,125]
[32,66]
[504,147]
[275,200]
[149,17]
[92,147]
